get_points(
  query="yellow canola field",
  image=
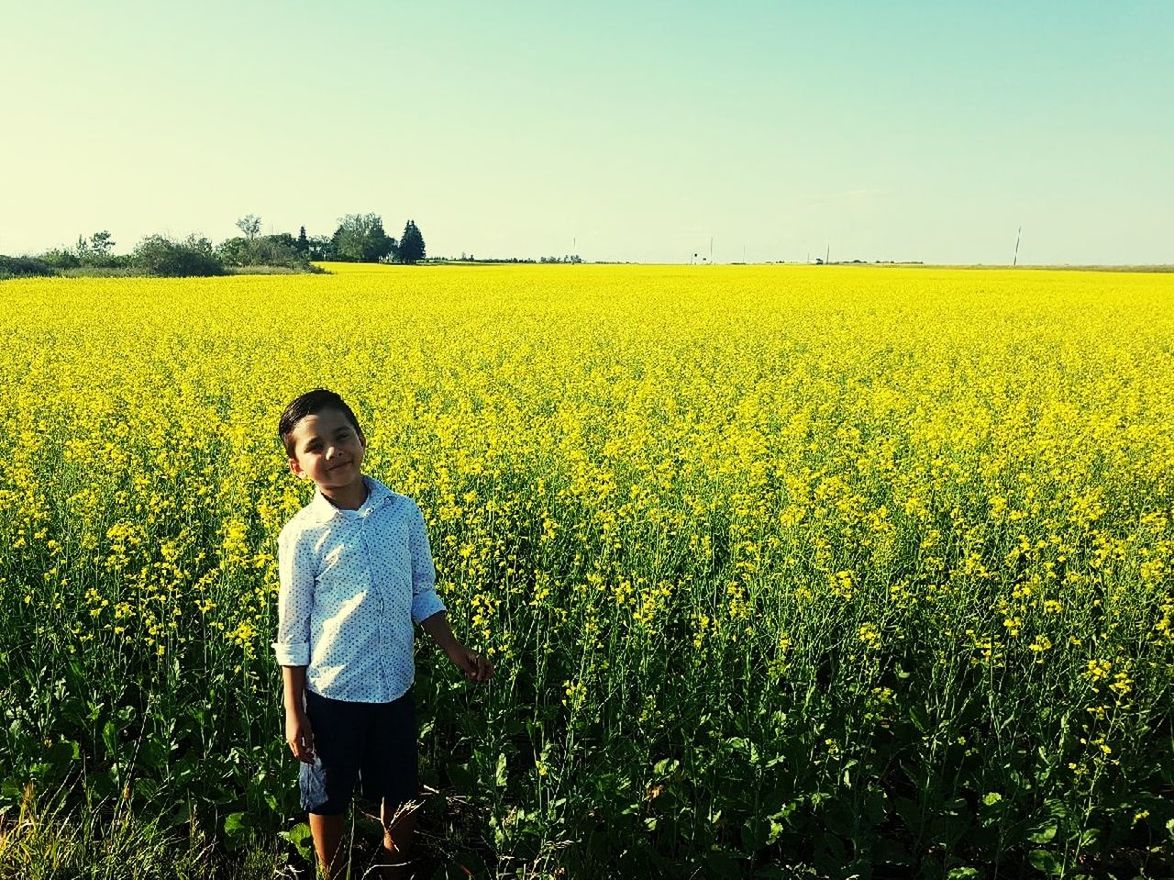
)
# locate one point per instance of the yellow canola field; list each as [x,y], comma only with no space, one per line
[649,489]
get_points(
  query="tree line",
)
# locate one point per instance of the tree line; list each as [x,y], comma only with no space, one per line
[359,238]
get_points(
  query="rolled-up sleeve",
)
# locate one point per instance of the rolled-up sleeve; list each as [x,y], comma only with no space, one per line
[425,602]
[295,599]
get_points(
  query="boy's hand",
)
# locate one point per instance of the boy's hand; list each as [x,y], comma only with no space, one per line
[299,736]
[475,667]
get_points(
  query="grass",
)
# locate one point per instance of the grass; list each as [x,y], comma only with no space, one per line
[52,837]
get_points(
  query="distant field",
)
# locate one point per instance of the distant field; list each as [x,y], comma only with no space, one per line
[1133,269]
[864,573]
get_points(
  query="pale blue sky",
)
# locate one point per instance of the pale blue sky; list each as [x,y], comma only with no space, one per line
[905,131]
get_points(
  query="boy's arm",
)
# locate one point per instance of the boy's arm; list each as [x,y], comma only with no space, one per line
[293,679]
[298,734]
[475,667]
[295,599]
[437,627]
[425,601]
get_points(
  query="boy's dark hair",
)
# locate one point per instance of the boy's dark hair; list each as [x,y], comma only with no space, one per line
[309,404]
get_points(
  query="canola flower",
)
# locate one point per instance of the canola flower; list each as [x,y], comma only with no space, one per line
[807,511]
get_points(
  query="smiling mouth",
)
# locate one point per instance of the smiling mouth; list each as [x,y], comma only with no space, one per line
[335,467]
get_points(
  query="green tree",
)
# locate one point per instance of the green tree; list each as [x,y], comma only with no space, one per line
[321,247]
[61,258]
[360,239]
[101,244]
[411,245]
[264,250]
[303,243]
[279,250]
[160,255]
[235,251]
[250,225]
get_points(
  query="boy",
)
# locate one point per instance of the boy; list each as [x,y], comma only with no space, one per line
[356,572]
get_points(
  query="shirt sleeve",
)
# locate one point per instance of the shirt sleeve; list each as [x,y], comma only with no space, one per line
[295,599]
[425,602]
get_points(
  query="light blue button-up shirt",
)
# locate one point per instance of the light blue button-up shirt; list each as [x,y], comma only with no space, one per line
[353,583]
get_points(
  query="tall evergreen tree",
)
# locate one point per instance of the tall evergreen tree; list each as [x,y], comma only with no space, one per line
[411,245]
[303,243]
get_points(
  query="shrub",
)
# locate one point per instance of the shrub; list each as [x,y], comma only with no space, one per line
[123,271]
[60,258]
[265,250]
[108,261]
[159,255]
[24,267]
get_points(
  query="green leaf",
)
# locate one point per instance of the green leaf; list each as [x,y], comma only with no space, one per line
[182,814]
[909,812]
[1043,860]
[236,824]
[461,776]
[63,753]
[1043,834]
[501,775]
[754,834]
[110,736]
[919,717]
[665,766]
[153,756]
[301,838]
[104,784]
[776,831]
[721,864]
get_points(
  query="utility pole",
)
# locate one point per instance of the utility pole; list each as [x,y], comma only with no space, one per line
[1015,259]
[828,255]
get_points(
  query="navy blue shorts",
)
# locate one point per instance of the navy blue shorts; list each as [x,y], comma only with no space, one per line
[374,743]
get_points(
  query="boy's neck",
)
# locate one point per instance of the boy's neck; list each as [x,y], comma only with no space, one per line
[350,497]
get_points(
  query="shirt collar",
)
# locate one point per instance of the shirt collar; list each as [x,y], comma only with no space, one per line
[321,510]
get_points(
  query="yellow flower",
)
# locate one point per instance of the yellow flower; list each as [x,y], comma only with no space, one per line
[1097,670]
[869,635]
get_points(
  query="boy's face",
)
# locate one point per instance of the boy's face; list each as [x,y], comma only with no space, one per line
[327,450]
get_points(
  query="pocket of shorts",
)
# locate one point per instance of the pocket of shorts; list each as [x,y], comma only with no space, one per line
[312,784]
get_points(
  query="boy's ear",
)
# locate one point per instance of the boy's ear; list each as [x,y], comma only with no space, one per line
[295,468]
